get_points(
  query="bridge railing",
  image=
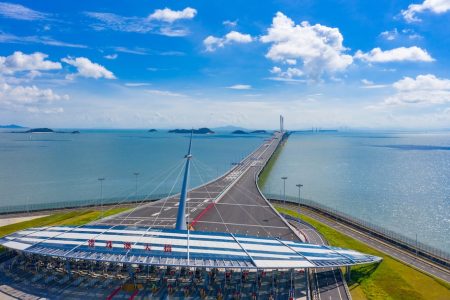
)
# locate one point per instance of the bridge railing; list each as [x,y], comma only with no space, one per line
[419,248]
[30,207]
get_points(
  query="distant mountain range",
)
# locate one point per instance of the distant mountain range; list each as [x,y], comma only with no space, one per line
[12,126]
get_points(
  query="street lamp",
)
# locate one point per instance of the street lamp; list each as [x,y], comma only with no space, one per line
[299,187]
[136,174]
[284,189]
[101,179]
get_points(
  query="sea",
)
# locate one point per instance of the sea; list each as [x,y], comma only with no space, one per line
[397,180]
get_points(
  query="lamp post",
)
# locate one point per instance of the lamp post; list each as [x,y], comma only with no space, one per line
[136,174]
[299,187]
[284,189]
[101,179]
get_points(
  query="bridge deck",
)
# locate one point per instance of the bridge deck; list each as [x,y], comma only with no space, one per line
[231,203]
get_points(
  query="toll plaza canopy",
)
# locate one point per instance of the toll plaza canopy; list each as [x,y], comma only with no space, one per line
[180,248]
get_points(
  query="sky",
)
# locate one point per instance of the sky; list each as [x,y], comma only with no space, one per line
[163,64]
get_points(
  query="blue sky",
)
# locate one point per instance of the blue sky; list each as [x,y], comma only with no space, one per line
[357,64]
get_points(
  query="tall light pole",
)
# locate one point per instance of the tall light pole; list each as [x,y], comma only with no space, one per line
[299,187]
[136,174]
[101,179]
[284,189]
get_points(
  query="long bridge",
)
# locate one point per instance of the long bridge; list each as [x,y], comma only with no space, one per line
[226,223]
[230,203]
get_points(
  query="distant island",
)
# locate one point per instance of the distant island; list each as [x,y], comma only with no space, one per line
[152,130]
[239,132]
[259,131]
[45,130]
[39,130]
[195,131]
[12,126]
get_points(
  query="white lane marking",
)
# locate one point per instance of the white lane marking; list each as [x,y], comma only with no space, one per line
[236,224]
[206,200]
[167,208]
[194,209]
[317,284]
[155,214]
[337,286]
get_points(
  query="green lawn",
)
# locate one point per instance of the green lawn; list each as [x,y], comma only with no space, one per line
[265,174]
[76,217]
[391,279]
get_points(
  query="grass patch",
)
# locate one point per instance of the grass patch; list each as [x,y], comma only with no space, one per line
[75,218]
[391,279]
[269,166]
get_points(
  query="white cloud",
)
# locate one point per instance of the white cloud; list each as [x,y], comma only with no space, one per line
[400,54]
[111,56]
[136,84]
[230,23]
[137,51]
[211,43]
[424,89]
[170,16]
[240,87]
[390,35]
[86,68]
[433,6]
[10,38]
[160,22]
[18,62]
[20,12]
[29,98]
[165,93]
[288,75]
[319,47]
[366,82]
[120,23]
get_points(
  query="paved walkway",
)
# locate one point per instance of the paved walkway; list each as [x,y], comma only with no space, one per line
[9,221]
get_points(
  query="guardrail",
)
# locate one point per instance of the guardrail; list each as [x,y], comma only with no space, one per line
[31,207]
[415,247]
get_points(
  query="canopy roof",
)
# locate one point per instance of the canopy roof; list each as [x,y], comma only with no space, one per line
[168,247]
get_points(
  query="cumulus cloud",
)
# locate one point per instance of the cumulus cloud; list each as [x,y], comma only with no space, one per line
[20,12]
[288,75]
[87,68]
[211,43]
[240,87]
[170,16]
[424,89]
[433,6]
[19,61]
[400,54]
[29,98]
[319,48]
[394,34]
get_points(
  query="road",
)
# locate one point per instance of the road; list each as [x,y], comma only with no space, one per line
[227,204]
[325,283]
[233,203]
[380,245]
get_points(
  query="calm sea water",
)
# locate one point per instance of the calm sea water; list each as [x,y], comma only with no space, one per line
[57,167]
[398,180]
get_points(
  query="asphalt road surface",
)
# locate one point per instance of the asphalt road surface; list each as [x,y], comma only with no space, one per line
[325,283]
[231,203]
